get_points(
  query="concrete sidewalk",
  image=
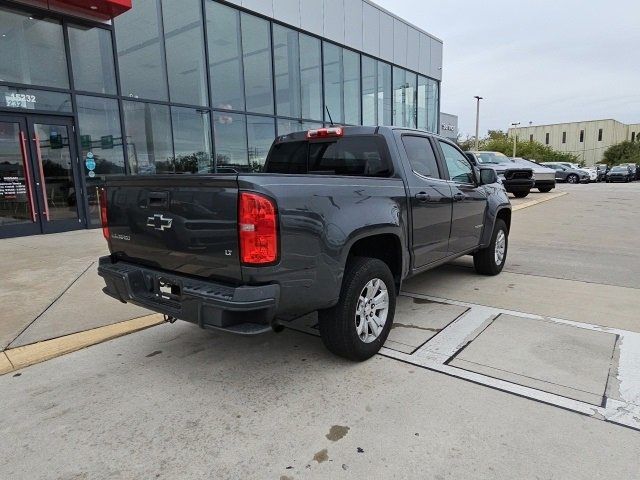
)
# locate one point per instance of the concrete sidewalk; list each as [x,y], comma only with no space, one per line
[49,287]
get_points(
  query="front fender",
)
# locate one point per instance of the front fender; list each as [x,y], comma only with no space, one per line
[497,200]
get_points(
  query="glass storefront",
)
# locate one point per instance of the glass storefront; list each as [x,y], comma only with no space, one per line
[188,86]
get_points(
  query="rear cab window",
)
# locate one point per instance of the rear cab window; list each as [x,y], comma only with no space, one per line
[356,155]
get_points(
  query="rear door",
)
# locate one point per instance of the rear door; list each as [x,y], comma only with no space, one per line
[430,200]
[186,224]
[469,200]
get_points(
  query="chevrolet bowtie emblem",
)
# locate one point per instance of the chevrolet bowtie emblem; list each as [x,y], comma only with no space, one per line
[159,222]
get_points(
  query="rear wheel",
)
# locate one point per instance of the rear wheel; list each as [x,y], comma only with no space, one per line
[521,193]
[544,189]
[573,178]
[357,327]
[491,260]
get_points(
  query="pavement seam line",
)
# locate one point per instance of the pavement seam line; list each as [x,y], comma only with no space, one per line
[539,201]
[21,357]
[58,297]
[5,364]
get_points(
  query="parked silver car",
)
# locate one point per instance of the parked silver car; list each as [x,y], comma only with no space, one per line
[567,174]
[545,177]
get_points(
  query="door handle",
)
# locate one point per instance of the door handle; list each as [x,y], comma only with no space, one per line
[27,175]
[423,197]
[43,185]
[458,197]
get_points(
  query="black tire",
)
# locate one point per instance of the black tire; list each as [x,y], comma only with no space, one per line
[338,324]
[545,189]
[521,193]
[573,178]
[484,261]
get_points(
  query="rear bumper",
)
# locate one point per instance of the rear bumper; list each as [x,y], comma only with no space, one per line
[205,303]
[617,179]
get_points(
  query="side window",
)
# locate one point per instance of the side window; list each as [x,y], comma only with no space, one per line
[459,168]
[421,156]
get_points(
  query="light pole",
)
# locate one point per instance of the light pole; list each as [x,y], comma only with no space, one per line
[478,98]
[515,125]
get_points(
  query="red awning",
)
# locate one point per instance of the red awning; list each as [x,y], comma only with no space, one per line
[110,8]
[96,9]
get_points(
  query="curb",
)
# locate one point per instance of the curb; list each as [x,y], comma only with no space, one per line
[21,357]
[537,202]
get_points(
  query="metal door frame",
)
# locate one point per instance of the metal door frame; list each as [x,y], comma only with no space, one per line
[33,176]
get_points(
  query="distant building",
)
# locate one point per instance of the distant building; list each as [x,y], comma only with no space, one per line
[449,125]
[588,140]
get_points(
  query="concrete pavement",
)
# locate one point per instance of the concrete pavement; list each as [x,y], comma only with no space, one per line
[49,287]
[177,402]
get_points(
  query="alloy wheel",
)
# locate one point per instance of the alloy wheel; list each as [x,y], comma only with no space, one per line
[372,310]
[501,247]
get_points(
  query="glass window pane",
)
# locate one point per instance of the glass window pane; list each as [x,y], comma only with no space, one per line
[184,44]
[30,99]
[421,107]
[286,60]
[15,203]
[333,82]
[432,106]
[256,45]
[260,133]
[285,127]
[369,91]
[92,59]
[351,87]
[32,50]
[140,52]
[288,158]
[225,56]
[399,104]
[421,156]
[458,165]
[385,101]
[191,140]
[100,139]
[410,100]
[359,155]
[311,125]
[230,132]
[149,142]
[311,77]
[58,179]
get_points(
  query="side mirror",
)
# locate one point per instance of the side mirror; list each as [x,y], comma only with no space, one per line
[488,176]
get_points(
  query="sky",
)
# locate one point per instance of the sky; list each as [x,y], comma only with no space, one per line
[539,61]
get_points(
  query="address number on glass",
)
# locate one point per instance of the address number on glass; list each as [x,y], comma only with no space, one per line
[19,100]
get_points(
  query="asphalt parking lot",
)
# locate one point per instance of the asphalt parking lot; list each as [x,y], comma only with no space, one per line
[531,374]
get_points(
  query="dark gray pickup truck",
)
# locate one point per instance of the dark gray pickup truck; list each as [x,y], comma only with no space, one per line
[335,223]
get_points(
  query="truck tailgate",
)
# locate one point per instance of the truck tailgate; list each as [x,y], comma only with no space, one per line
[186,224]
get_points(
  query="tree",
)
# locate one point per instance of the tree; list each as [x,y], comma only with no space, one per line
[499,141]
[625,152]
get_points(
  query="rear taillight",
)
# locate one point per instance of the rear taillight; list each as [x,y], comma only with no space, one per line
[326,132]
[258,229]
[102,197]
